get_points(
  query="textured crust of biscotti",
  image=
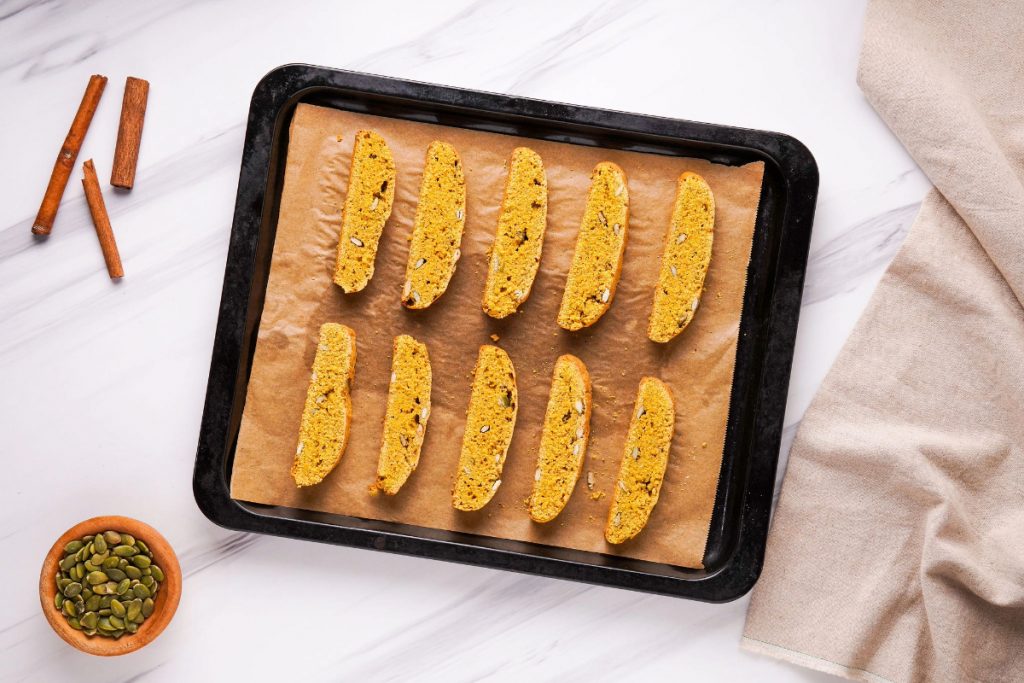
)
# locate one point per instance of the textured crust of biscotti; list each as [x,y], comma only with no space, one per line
[405,419]
[644,461]
[434,247]
[323,432]
[371,194]
[563,442]
[685,259]
[597,260]
[519,239]
[490,420]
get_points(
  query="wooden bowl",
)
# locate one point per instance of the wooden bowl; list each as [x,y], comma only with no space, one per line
[165,603]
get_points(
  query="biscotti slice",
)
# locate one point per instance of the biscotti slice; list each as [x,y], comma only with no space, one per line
[519,239]
[437,228]
[644,461]
[490,419]
[597,261]
[408,410]
[684,262]
[323,432]
[563,443]
[371,193]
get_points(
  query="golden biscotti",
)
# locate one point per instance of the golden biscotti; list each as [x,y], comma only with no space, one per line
[643,462]
[405,419]
[490,420]
[600,244]
[371,194]
[323,432]
[563,441]
[434,247]
[685,259]
[519,239]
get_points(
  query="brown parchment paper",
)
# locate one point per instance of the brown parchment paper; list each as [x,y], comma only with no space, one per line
[697,365]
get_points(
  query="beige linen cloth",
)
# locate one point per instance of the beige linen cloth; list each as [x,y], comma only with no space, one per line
[897,549]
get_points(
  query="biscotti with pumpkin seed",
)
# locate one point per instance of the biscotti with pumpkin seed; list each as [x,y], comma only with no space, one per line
[519,239]
[490,421]
[371,194]
[434,247]
[600,244]
[323,432]
[644,461]
[685,259]
[405,419]
[563,441]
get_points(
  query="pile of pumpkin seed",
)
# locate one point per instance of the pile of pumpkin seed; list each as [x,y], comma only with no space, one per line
[107,583]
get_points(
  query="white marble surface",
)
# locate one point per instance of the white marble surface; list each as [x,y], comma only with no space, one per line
[99,378]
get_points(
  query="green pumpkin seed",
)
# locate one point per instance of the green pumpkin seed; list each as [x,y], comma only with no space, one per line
[94,572]
[96,577]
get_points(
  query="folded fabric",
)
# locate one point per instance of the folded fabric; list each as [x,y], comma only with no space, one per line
[897,549]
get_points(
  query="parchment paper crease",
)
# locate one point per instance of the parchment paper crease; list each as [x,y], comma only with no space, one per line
[698,365]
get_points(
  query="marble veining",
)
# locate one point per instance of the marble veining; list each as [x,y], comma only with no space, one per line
[100,378]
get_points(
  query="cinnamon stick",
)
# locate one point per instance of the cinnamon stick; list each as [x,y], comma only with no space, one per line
[68,154]
[98,209]
[129,132]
